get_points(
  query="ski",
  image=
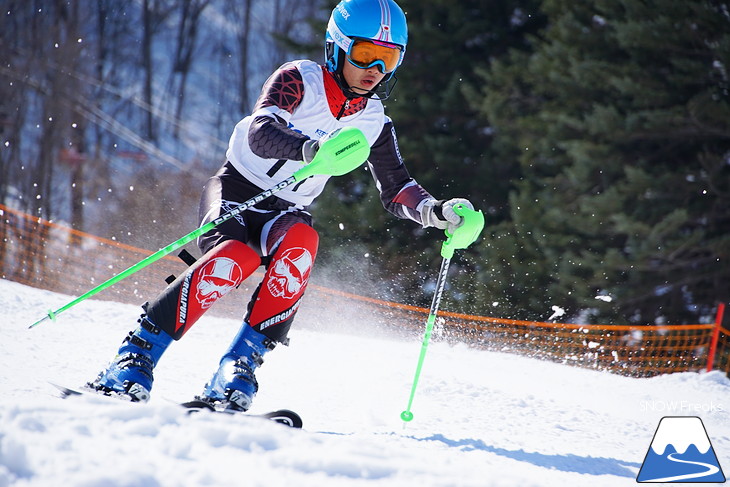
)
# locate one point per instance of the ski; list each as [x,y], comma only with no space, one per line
[68,392]
[281,416]
[65,391]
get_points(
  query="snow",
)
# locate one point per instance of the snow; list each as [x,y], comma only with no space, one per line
[557,313]
[481,418]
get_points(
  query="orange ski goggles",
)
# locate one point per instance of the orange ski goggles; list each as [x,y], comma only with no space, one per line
[365,54]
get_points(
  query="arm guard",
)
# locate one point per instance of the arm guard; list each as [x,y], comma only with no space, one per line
[400,194]
[269,136]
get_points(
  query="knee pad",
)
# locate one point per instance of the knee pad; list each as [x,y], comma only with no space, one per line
[275,302]
[214,275]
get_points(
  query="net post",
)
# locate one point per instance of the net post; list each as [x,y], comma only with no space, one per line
[715,336]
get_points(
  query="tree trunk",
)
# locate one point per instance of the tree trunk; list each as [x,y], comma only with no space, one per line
[147,35]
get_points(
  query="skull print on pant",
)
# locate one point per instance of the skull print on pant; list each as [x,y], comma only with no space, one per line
[290,273]
[216,279]
[214,275]
[273,306]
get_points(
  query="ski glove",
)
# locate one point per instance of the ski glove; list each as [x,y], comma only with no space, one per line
[441,214]
[309,150]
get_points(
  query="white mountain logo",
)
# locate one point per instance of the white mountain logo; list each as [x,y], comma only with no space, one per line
[680,452]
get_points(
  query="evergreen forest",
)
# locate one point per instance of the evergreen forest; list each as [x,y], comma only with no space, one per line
[594,136]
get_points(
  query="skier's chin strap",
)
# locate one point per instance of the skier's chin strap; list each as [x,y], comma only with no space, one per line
[385,87]
[382,90]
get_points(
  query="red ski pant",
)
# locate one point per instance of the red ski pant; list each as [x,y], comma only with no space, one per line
[272,233]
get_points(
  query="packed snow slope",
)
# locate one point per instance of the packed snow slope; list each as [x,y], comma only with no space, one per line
[481,418]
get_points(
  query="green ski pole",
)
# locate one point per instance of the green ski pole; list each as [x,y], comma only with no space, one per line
[462,237]
[339,153]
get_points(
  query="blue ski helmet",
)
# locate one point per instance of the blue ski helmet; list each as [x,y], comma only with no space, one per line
[382,21]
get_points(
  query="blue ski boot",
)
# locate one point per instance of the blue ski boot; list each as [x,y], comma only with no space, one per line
[234,385]
[130,373]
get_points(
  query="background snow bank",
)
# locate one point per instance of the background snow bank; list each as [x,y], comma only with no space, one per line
[481,418]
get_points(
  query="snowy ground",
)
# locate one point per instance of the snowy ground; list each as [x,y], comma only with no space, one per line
[481,419]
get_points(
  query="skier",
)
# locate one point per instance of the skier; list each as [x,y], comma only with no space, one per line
[300,103]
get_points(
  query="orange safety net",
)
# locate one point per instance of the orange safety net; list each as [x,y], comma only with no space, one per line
[50,256]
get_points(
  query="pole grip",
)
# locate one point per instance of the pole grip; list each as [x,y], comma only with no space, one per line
[466,233]
[340,152]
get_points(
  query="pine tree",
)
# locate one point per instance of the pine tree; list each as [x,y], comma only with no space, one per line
[621,119]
